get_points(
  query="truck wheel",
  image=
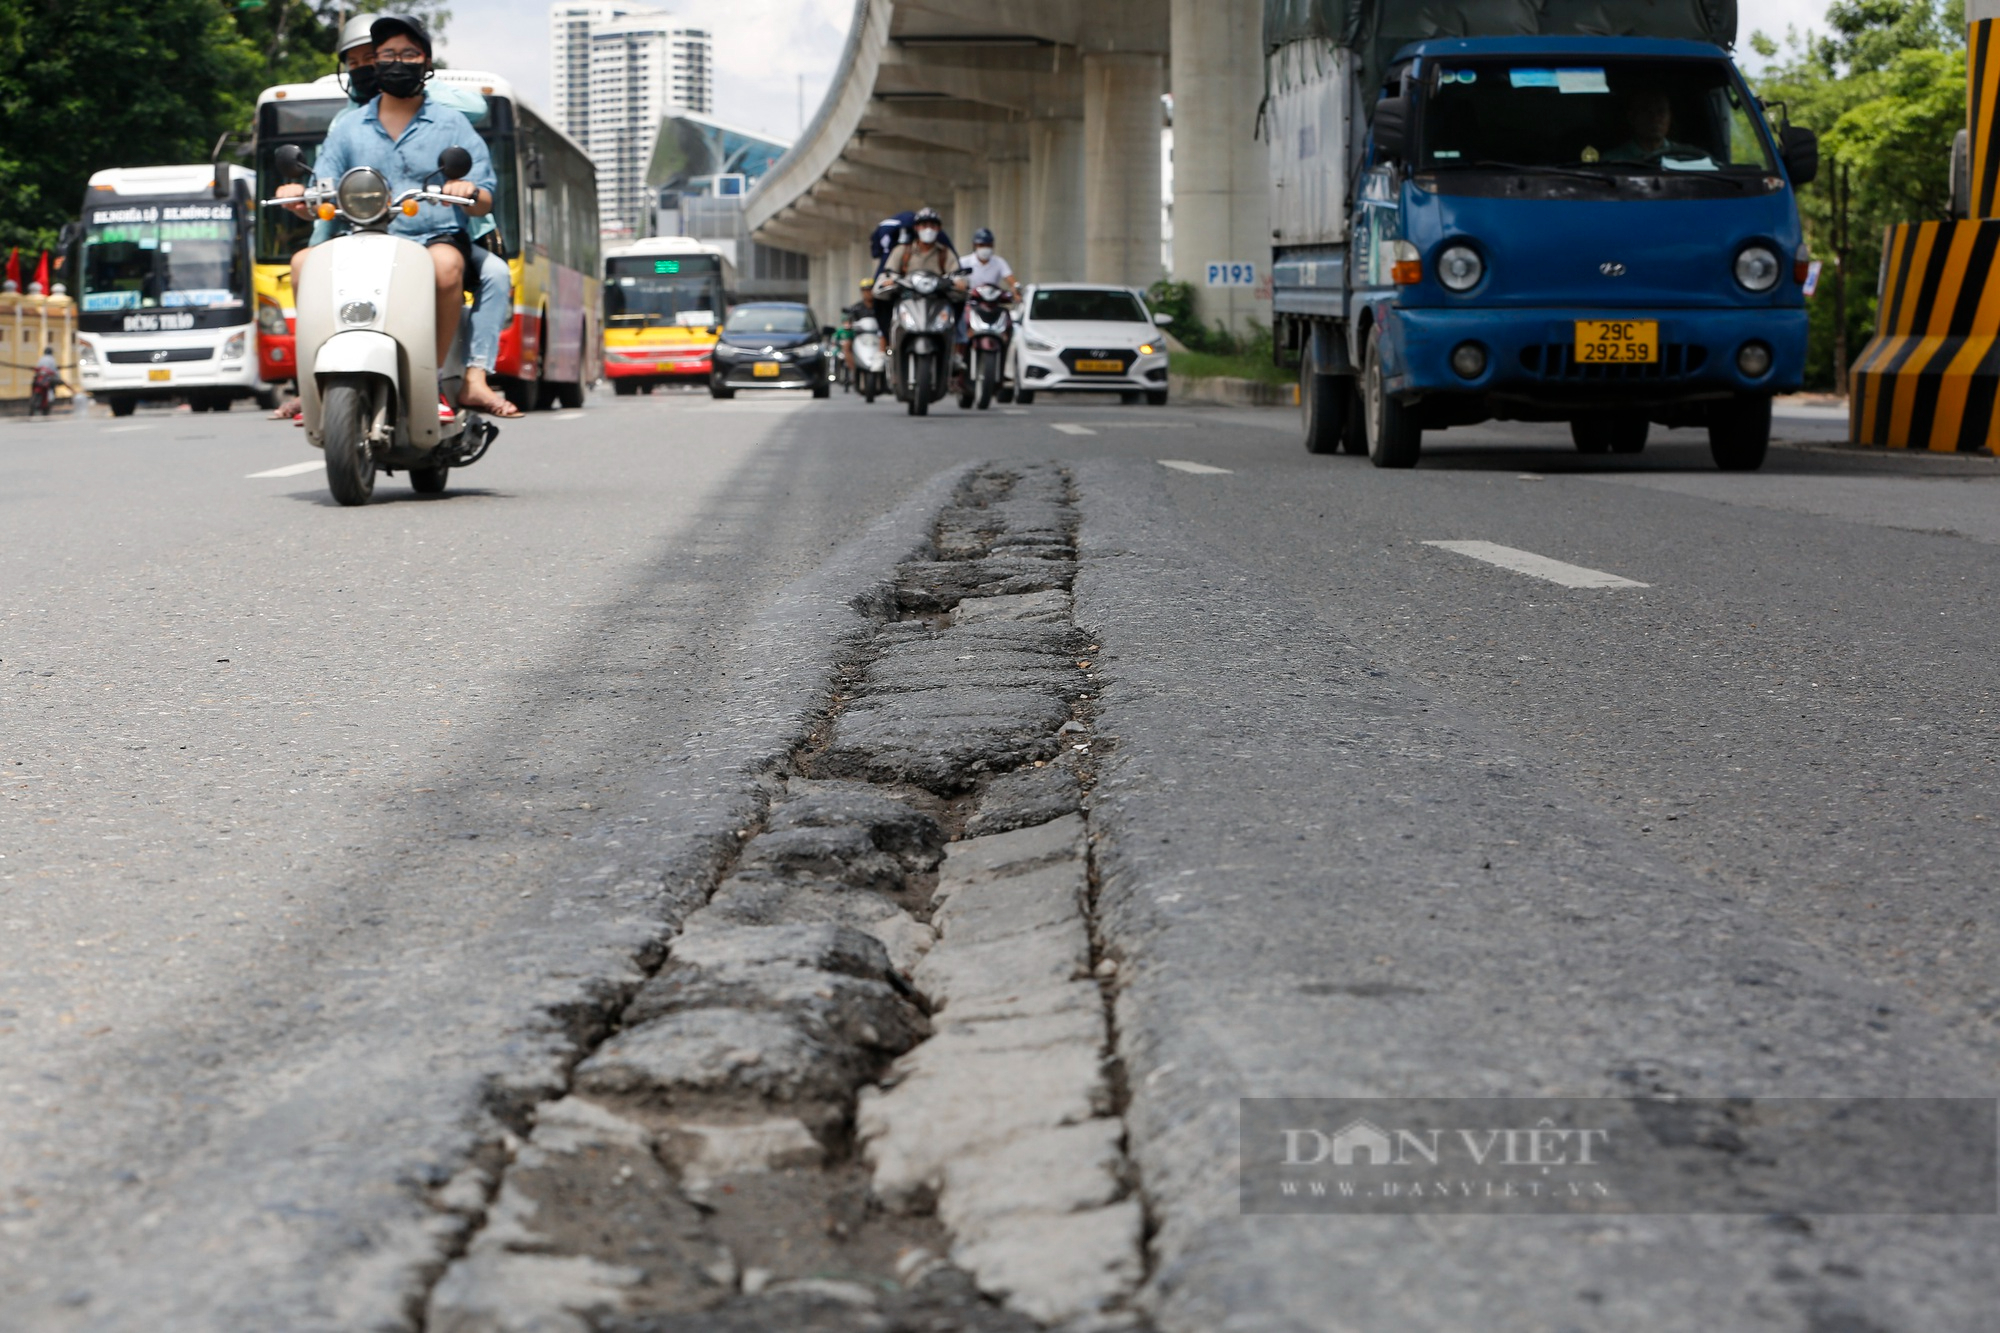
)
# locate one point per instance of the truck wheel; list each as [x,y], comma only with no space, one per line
[1394,440]
[1322,403]
[343,425]
[122,407]
[1739,432]
[1611,433]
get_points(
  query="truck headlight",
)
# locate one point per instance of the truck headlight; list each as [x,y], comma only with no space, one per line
[1460,268]
[1757,268]
[86,352]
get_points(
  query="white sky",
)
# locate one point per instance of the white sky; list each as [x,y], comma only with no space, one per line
[764,47]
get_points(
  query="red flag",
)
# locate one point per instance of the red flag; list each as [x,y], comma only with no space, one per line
[14,268]
[42,273]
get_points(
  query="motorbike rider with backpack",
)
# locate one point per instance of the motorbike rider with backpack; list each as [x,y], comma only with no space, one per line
[400,133]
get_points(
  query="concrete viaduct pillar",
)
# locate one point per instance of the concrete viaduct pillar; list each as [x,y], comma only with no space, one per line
[1007,211]
[970,211]
[1056,200]
[1121,131]
[1221,210]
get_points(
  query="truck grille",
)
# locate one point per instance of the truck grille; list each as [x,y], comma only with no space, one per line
[1557,361]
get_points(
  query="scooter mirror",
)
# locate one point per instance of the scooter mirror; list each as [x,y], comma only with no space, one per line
[454,162]
[291,160]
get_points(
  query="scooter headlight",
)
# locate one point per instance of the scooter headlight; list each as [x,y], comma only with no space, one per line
[363,195]
[909,317]
[942,319]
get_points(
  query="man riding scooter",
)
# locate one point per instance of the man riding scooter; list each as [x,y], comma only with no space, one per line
[401,134]
[983,273]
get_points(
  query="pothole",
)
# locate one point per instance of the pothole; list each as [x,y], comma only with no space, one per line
[870,1084]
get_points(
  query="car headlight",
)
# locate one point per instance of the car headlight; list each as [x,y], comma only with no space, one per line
[722,351]
[86,353]
[1035,344]
[363,195]
[1757,268]
[1460,268]
[233,349]
[1147,349]
[271,319]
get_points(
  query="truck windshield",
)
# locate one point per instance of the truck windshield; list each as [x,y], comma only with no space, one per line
[164,256]
[1655,116]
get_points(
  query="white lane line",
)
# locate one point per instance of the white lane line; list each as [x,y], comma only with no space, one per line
[1071,428]
[122,430]
[564,416]
[289,470]
[1539,566]
[1182,465]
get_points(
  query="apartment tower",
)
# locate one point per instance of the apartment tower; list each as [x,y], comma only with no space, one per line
[618,71]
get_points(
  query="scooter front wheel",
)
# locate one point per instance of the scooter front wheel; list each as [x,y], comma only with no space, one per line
[343,427]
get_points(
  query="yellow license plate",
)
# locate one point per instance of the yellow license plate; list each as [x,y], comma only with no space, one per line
[1613,342]
[766,370]
[1087,367]
[160,376]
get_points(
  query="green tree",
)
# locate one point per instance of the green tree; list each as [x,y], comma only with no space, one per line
[89,84]
[1885,88]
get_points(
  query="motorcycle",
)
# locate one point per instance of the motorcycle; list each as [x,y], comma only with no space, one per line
[871,363]
[42,393]
[367,340]
[920,345]
[989,327]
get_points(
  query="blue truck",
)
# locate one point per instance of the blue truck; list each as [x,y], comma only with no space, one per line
[1530,210]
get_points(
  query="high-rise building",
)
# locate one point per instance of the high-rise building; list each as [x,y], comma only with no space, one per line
[619,70]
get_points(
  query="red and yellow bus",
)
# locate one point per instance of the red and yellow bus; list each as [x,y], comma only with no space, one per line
[665,298]
[546,212]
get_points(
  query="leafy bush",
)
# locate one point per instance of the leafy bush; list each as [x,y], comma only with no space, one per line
[1177,299]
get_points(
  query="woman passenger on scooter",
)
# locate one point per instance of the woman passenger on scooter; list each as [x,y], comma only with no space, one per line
[400,134]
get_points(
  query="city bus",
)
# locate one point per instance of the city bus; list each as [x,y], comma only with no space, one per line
[545,209]
[163,277]
[665,297]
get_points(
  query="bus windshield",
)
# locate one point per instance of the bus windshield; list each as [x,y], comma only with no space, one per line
[1647,116]
[163,257]
[642,290]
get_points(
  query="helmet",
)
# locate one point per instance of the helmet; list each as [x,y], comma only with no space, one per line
[984,236]
[356,32]
[926,215]
[867,286]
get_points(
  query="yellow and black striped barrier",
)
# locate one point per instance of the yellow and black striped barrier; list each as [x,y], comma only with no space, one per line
[1928,380]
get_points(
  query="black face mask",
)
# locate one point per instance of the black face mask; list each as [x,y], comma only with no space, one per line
[362,84]
[400,80]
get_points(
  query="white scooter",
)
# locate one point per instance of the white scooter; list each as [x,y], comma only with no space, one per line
[871,363]
[367,339]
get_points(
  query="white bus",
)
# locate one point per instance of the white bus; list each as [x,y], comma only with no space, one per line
[164,307]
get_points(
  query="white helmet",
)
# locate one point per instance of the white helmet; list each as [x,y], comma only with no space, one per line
[357,31]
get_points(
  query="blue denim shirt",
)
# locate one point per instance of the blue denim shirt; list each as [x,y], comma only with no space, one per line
[458,99]
[410,162]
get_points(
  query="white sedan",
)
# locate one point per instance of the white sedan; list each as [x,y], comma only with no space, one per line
[1083,337]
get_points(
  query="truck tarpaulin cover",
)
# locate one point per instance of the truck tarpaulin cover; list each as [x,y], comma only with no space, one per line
[1377,28]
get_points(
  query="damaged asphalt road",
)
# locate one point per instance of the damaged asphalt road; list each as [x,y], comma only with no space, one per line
[746,866]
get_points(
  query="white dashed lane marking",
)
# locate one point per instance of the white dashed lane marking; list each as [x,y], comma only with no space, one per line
[1182,465]
[1539,566]
[289,470]
[1071,428]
